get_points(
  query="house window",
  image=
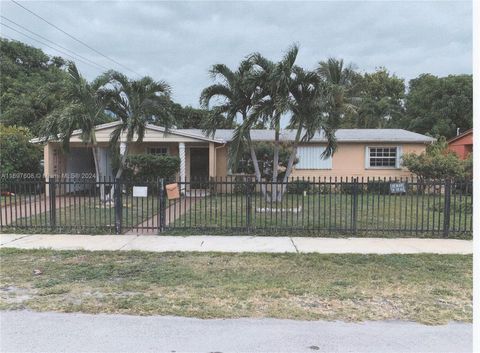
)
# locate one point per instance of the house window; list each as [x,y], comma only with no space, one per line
[310,157]
[162,151]
[383,157]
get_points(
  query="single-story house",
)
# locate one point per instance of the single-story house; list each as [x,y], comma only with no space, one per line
[462,144]
[360,153]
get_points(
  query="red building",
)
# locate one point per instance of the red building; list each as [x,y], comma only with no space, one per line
[462,144]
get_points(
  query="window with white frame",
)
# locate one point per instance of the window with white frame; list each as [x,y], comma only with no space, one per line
[310,157]
[161,151]
[383,157]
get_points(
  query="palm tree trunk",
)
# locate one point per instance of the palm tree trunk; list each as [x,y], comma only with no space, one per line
[120,168]
[98,175]
[291,160]
[276,150]
[258,174]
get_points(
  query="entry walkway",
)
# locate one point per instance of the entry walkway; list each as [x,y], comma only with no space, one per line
[237,244]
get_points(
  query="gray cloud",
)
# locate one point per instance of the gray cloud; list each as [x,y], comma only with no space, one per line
[178,42]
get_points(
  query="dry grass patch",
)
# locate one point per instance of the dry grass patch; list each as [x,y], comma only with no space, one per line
[426,288]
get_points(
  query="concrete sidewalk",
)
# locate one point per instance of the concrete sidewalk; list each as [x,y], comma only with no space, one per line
[236,244]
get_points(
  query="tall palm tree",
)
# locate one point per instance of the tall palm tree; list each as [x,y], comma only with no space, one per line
[274,81]
[236,93]
[340,80]
[85,109]
[308,114]
[136,103]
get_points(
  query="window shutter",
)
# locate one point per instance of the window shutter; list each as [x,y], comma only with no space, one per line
[309,157]
[367,157]
[399,156]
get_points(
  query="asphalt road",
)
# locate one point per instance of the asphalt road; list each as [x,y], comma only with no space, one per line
[24,331]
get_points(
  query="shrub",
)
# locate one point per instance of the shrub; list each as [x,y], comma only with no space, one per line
[378,187]
[264,151]
[143,167]
[348,188]
[299,187]
[243,186]
[436,163]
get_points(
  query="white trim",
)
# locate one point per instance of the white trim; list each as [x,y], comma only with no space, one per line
[181,155]
[398,162]
[148,126]
[397,157]
[182,133]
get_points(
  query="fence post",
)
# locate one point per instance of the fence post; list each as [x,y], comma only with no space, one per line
[354,205]
[118,205]
[161,206]
[446,208]
[248,199]
[53,203]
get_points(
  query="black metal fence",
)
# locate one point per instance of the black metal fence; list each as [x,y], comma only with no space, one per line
[326,206]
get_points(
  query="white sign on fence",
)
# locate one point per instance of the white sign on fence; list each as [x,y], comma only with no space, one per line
[398,188]
[140,191]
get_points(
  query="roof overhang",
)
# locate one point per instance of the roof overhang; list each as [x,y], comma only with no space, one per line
[103,133]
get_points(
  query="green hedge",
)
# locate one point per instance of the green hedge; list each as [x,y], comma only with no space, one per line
[143,167]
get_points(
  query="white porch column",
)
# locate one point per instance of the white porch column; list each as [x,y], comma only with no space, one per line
[181,154]
[123,147]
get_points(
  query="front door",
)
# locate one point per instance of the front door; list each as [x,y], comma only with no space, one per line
[199,164]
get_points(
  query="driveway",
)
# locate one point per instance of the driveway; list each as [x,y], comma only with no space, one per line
[24,331]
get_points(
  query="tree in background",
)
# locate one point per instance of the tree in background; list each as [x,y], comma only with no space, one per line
[340,81]
[438,106]
[380,100]
[193,118]
[17,154]
[31,84]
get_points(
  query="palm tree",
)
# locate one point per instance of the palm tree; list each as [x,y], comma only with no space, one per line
[136,103]
[236,91]
[340,79]
[308,114]
[85,109]
[274,81]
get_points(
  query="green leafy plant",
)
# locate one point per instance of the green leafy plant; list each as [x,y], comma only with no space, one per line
[299,187]
[437,162]
[144,167]
[17,154]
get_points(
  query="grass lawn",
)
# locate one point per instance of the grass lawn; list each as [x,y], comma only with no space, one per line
[431,289]
[13,199]
[87,214]
[331,214]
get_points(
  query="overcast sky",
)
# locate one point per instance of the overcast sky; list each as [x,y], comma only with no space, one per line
[178,42]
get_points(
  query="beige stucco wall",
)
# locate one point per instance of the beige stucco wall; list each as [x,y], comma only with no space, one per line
[349,161]
[54,160]
[221,165]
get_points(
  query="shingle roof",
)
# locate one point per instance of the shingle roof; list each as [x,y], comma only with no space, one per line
[343,135]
